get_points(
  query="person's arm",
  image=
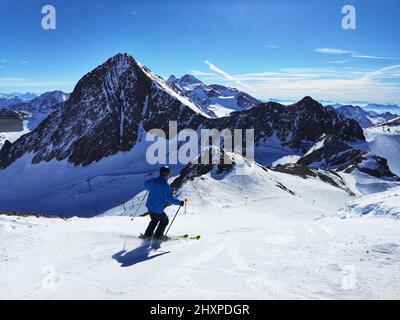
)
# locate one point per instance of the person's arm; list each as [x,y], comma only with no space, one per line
[173,200]
[148,184]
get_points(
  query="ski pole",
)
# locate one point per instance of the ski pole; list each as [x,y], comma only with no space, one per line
[134,215]
[185,205]
[169,227]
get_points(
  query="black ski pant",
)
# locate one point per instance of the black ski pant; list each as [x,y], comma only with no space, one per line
[160,219]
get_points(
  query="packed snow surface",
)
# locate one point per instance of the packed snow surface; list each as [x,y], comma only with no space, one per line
[386,203]
[258,241]
[267,249]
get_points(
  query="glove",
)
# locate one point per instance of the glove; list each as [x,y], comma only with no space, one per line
[182,203]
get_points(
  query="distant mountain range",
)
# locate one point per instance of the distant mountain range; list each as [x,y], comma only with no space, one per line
[215,100]
[44,103]
[364,117]
[22,96]
[112,105]
[89,148]
[373,107]
[8,99]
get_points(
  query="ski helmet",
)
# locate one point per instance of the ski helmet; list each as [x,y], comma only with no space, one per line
[165,171]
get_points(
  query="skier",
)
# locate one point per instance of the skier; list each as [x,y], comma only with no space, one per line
[160,196]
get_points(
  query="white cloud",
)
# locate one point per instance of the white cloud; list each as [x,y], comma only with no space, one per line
[372,57]
[353,54]
[21,82]
[202,73]
[332,51]
[12,79]
[338,83]
[271,46]
[337,61]
[225,74]
[383,73]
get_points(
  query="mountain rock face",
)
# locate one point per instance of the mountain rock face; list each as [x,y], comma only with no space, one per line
[215,100]
[104,115]
[365,118]
[194,170]
[391,123]
[368,163]
[326,153]
[113,106]
[297,126]
[331,153]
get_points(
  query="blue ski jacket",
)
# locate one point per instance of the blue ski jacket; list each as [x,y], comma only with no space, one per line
[160,195]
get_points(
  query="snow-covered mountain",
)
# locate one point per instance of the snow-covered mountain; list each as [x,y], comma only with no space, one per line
[8,99]
[23,96]
[105,114]
[382,108]
[88,154]
[33,112]
[215,185]
[45,103]
[384,140]
[364,117]
[331,153]
[113,105]
[216,100]
[386,203]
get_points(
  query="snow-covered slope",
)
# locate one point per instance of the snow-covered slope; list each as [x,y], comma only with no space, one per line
[385,203]
[264,234]
[384,140]
[364,117]
[215,100]
[275,247]
[215,186]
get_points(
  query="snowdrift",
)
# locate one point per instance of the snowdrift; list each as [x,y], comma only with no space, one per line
[385,203]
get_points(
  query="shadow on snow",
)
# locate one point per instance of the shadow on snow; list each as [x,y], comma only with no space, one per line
[146,251]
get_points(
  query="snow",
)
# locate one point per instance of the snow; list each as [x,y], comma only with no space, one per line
[385,203]
[264,235]
[286,160]
[385,144]
[164,86]
[318,145]
[267,249]
[219,110]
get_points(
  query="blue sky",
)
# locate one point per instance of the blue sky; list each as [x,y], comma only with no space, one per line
[283,49]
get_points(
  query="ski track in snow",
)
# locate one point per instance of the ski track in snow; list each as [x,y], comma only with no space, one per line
[258,251]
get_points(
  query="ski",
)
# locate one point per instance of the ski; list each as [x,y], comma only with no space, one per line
[174,238]
[185,237]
